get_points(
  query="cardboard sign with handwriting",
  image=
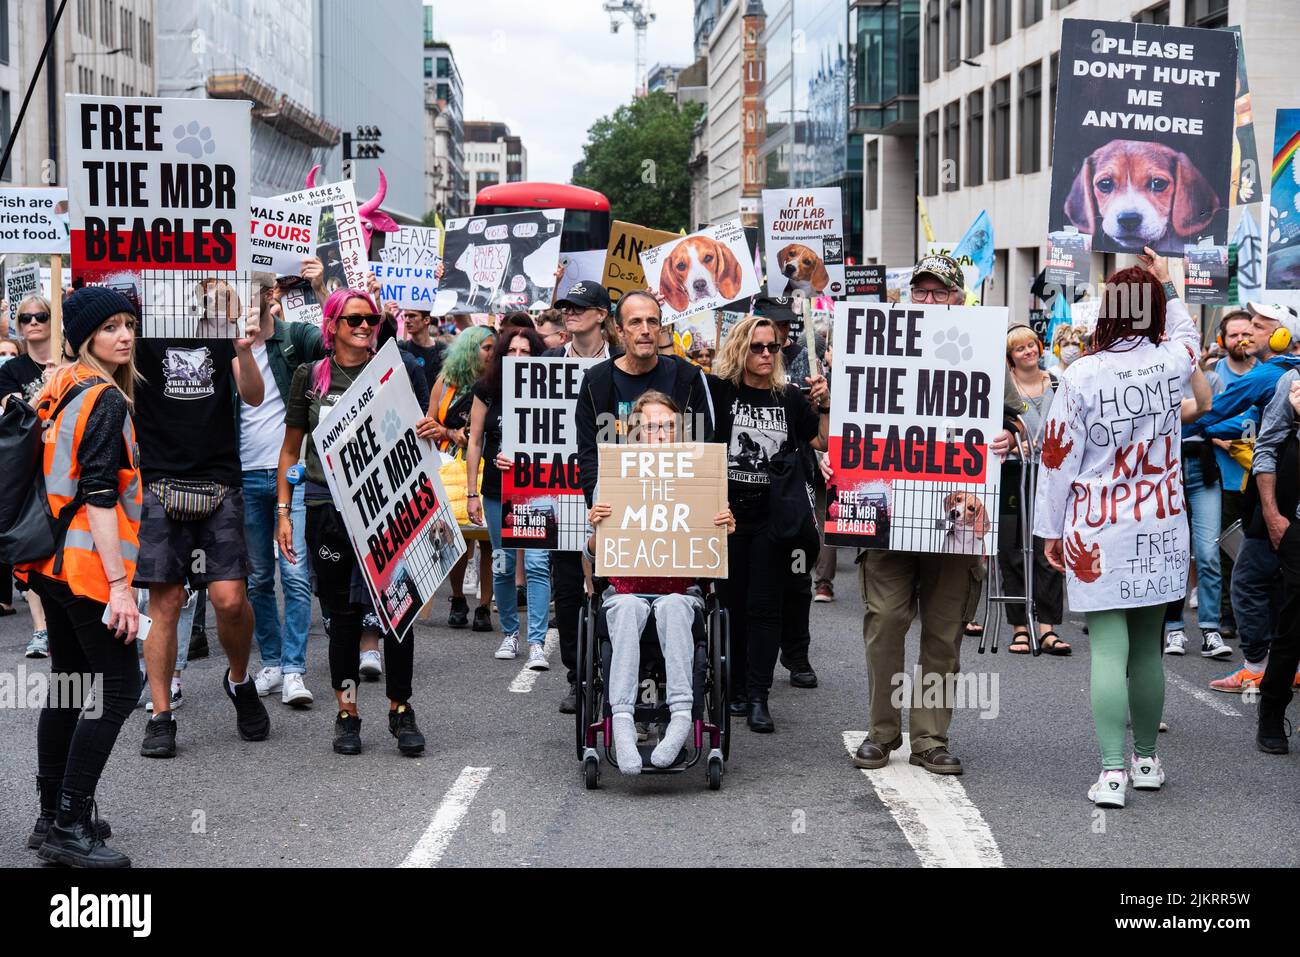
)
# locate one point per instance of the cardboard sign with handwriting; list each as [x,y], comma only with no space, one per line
[627,241]
[664,500]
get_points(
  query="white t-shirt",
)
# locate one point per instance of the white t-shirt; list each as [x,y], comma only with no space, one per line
[261,428]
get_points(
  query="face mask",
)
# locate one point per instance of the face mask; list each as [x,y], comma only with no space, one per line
[1069,354]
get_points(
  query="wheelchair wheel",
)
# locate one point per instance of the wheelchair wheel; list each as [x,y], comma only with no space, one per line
[721,653]
[714,772]
[580,718]
[591,773]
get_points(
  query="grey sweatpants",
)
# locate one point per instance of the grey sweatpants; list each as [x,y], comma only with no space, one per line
[626,616]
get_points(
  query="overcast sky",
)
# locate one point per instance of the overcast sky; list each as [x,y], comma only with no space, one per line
[551,69]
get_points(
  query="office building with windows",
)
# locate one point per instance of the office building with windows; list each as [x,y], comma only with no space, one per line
[987,101]
[446,185]
[492,156]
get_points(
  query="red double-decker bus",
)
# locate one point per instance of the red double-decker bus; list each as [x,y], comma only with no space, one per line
[586,212]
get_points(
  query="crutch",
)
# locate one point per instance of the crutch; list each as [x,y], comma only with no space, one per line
[996,596]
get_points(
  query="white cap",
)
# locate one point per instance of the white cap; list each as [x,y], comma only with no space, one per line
[1283,315]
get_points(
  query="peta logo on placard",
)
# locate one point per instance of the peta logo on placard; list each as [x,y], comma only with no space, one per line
[75,910]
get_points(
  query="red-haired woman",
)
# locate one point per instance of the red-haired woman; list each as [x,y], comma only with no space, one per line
[1110,504]
[350,325]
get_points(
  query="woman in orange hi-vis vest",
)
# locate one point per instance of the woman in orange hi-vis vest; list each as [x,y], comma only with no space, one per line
[91,466]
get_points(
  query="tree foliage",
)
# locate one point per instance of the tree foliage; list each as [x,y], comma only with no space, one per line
[637,157]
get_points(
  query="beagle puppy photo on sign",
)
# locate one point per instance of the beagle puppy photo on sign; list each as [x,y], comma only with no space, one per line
[704,271]
[1141,194]
[804,270]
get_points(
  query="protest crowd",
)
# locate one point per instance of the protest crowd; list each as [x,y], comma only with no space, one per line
[562,461]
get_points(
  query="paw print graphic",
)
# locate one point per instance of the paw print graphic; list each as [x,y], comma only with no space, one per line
[194,140]
[391,425]
[954,346]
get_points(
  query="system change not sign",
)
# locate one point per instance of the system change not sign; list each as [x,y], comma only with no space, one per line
[158,184]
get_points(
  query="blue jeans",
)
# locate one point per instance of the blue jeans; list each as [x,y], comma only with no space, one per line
[283,647]
[1256,597]
[537,570]
[1206,514]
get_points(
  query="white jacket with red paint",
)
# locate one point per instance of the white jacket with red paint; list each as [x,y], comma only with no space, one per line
[1111,481]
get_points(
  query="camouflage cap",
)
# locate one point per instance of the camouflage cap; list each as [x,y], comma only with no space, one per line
[943,268]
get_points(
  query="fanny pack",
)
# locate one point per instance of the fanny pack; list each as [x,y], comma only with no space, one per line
[188,501]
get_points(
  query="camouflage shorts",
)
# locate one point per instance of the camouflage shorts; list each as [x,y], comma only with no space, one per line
[210,550]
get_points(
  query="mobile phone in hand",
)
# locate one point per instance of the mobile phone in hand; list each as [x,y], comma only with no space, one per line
[142,632]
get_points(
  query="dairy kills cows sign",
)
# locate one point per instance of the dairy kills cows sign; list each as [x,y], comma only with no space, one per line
[542,505]
[384,481]
[157,184]
[917,400]
[1144,135]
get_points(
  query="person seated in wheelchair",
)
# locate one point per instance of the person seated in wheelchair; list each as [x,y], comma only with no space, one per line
[628,603]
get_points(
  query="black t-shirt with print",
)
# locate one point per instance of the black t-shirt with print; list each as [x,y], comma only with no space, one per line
[429,358]
[629,388]
[759,428]
[491,439]
[20,374]
[182,410]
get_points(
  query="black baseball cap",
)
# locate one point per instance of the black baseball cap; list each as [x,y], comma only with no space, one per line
[585,295]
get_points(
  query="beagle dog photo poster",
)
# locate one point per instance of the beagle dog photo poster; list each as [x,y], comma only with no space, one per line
[804,230]
[1144,135]
[918,399]
[501,263]
[706,270]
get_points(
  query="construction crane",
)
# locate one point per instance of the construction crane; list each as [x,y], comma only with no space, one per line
[638,13]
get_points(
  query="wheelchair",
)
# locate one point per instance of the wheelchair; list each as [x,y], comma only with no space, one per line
[710,677]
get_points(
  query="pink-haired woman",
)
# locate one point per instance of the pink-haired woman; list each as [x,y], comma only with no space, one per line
[350,324]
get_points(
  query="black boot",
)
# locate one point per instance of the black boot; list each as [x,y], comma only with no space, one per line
[458,617]
[402,726]
[73,838]
[482,619]
[48,788]
[760,719]
[347,734]
[1272,733]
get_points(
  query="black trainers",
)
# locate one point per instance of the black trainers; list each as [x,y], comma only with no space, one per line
[458,617]
[569,703]
[159,737]
[482,619]
[402,726]
[73,839]
[251,719]
[198,645]
[48,788]
[521,596]
[347,734]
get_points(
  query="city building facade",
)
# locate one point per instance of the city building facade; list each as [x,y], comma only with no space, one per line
[492,155]
[446,185]
[104,47]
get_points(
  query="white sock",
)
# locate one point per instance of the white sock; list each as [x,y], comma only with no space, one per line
[1258,667]
[176,685]
[629,758]
[665,753]
[233,685]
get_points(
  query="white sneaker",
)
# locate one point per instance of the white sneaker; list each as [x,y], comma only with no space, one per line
[295,692]
[509,647]
[371,666]
[1193,602]
[1212,646]
[537,657]
[1147,773]
[269,679]
[1176,642]
[1110,789]
[176,700]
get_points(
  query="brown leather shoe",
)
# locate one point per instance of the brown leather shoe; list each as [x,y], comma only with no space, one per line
[937,760]
[874,756]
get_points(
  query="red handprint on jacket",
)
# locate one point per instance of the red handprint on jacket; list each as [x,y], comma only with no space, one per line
[1054,451]
[1083,560]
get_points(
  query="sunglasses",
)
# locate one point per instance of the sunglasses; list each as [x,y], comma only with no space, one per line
[572,310]
[41,317]
[758,348]
[369,318]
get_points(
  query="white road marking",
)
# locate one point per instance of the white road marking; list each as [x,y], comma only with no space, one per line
[526,678]
[1214,699]
[455,804]
[933,812]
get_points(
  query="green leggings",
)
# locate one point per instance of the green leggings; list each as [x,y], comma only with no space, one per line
[1127,656]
